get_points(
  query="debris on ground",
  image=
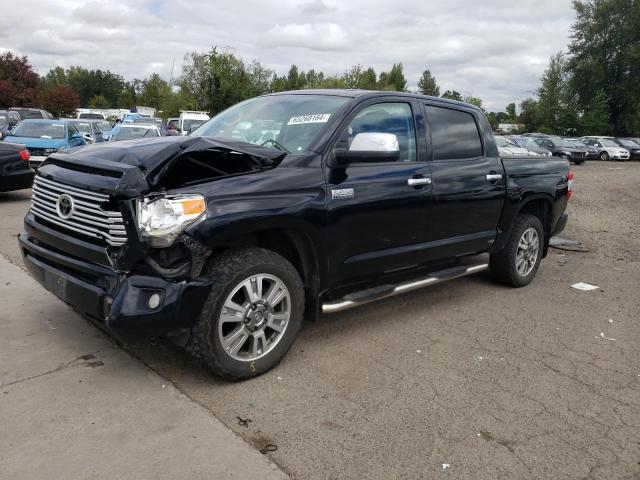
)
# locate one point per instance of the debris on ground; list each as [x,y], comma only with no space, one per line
[585,287]
[603,336]
[244,422]
[269,447]
[445,466]
[567,245]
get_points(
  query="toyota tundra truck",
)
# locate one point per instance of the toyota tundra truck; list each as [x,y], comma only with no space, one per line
[281,208]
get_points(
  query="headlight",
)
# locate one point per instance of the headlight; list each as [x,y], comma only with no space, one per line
[51,151]
[162,219]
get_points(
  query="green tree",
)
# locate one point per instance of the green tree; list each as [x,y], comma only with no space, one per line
[511,113]
[452,95]
[529,114]
[551,94]
[474,101]
[368,79]
[427,84]
[604,55]
[595,120]
[98,101]
[394,79]
[155,92]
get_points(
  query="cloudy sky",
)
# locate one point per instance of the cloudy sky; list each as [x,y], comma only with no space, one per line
[493,49]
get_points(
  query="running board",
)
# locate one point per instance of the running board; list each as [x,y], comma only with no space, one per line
[378,293]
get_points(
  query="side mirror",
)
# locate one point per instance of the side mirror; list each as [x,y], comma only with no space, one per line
[370,147]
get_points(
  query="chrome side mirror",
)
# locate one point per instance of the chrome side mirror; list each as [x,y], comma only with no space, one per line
[375,142]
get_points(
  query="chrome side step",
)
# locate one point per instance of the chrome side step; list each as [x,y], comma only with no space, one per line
[378,293]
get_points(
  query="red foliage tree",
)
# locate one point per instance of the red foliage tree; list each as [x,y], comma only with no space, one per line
[19,84]
[61,100]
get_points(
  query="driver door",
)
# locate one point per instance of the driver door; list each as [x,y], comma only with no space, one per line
[377,208]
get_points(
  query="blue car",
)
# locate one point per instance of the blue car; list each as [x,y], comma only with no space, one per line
[44,137]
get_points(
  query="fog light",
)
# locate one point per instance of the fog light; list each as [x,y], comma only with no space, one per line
[154,301]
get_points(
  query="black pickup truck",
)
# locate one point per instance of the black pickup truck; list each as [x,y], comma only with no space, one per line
[282,207]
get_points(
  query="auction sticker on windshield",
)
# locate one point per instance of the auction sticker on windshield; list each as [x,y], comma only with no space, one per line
[318,118]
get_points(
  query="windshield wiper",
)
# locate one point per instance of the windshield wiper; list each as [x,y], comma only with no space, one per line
[276,144]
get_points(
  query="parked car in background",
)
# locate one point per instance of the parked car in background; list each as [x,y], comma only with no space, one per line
[15,173]
[8,120]
[631,145]
[559,147]
[106,128]
[44,137]
[508,148]
[131,131]
[591,153]
[28,113]
[530,144]
[607,148]
[88,128]
[91,116]
[190,120]
[150,121]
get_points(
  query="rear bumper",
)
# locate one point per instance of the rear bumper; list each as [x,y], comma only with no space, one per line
[16,180]
[120,302]
[562,223]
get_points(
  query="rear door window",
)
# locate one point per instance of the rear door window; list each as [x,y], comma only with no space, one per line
[454,134]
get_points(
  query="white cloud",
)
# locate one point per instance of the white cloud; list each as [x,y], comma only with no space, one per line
[494,49]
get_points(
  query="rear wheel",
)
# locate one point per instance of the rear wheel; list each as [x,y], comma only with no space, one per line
[252,315]
[517,263]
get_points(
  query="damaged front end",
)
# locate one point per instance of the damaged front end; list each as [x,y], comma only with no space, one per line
[108,232]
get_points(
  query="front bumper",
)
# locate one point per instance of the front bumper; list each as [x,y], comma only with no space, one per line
[36,160]
[119,301]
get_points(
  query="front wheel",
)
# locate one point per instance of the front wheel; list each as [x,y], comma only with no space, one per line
[252,315]
[517,263]
[604,156]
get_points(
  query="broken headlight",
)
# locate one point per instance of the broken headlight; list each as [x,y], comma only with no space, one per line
[161,219]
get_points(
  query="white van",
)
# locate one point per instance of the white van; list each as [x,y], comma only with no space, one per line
[190,120]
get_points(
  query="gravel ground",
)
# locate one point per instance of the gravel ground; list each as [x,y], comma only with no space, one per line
[465,379]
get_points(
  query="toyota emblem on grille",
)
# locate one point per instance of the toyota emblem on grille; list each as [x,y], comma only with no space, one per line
[64,206]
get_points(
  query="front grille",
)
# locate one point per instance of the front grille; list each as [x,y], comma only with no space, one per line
[37,152]
[87,218]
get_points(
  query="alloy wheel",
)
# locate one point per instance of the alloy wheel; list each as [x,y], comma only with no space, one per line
[527,253]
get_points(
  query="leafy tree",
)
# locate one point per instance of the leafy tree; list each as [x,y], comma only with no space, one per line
[88,83]
[551,94]
[61,101]
[604,55]
[19,83]
[511,113]
[452,95]
[394,79]
[529,114]
[98,101]
[474,101]
[155,92]
[427,84]
[368,79]
[595,120]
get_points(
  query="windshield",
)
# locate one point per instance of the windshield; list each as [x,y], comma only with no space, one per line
[505,142]
[29,114]
[576,144]
[84,127]
[129,133]
[104,126]
[187,124]
[94,116]
[608,143]
[3,120]
[285,122]
[39,130]
[625,143]
[148,121]
[563,143]
[526,142]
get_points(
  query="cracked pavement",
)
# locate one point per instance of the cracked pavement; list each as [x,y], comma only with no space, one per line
[498,383]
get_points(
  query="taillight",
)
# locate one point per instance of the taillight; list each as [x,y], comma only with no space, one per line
[24,155]
[570,187]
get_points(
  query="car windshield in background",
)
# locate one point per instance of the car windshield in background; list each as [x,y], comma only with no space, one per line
[91,116]
[148,121]
[608,143]
[191,124]
[505,142]
[576,143]
[3,120]
[84,127]
[104,126]
[39,130]
[526,142]
[626,143]
[130,133]
[285,122]
[563,143]
[24,114]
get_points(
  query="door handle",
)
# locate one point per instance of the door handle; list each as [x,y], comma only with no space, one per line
[416,182]
[494,177]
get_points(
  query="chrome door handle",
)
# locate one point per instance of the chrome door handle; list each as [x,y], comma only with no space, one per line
[413,182]
[492,177]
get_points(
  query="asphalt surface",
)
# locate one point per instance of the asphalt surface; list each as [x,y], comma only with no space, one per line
[466,379]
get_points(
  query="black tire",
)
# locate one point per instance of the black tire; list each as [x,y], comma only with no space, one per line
[227,271]
[604,156]
[503,264]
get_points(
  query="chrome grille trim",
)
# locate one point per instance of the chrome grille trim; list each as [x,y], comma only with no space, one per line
[88,217]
